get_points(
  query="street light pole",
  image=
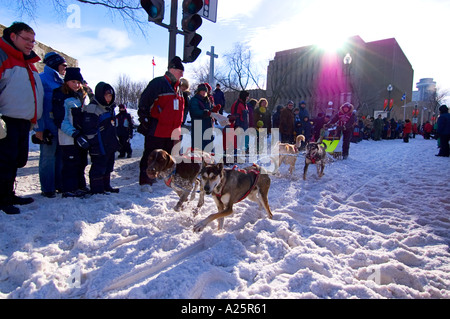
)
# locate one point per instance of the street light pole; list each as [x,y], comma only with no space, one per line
[389,89]
[348,85]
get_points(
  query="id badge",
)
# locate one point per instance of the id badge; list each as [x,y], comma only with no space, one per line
[176,105]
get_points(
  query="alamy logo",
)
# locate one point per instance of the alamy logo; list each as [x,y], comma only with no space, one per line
[74,280]
[375,274]
[228,145]
[74,19]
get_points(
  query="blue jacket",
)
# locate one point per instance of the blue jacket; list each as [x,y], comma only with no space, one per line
[98,123]
[197,105]
[443,124]
[50,80]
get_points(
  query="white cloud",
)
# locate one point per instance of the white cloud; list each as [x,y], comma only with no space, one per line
[116,39]
[230,11]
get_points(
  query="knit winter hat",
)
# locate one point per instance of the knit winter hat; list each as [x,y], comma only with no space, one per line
[202,87]
[175,63]
[73,74]
[53,60]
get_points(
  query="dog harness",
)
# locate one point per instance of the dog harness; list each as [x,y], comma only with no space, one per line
[313,159]
[253,171]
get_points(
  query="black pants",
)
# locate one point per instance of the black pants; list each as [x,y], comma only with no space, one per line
[101,168]
[152,143]
[346,137]
[74,160]
[125,145]
[13,154]
[444,148]
[406,137]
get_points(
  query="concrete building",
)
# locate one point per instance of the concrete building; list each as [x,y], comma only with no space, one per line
[359,73]
[424,102]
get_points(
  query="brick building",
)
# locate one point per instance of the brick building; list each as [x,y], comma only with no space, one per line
[359,73]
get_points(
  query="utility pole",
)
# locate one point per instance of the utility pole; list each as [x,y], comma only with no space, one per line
[211,65]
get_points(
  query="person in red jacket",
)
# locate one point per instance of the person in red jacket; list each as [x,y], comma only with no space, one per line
[160,111]
[407,129]
[21,105]
[427,129]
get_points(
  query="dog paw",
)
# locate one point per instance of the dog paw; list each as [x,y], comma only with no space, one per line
[195,211]
[199,227]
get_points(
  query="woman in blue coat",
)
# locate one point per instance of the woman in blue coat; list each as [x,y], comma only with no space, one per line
[50,158]
[200,110]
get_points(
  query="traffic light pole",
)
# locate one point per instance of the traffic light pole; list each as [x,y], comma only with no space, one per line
[191,22]
[173,29]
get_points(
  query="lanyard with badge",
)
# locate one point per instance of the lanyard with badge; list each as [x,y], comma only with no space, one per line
[176,101]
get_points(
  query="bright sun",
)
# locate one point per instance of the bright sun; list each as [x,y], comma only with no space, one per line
[330,42]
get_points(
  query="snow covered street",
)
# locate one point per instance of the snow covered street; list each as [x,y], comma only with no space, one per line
[375,226]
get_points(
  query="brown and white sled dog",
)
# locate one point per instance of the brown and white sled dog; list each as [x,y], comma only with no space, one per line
[315,154]
[181,177]
[287,153]
[230,186]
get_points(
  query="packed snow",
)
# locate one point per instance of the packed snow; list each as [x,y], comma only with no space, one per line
[374,226]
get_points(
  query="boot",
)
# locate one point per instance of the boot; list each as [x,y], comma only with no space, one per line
[97,186]
[107,184]
[7,207]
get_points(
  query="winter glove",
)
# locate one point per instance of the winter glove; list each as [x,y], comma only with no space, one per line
[82,141]
[76,134]
[216,108]
[36,140]
[144,127]
[48,136]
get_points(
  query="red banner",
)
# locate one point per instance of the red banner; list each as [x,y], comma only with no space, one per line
[391,104]
[385,104]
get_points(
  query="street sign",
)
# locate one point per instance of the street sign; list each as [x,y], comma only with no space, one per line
[209,10]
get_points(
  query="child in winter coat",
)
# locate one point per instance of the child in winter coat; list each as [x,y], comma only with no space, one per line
[124,127]
[67,103]
[100,132]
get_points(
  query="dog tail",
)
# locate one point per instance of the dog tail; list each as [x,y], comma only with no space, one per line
[299,139]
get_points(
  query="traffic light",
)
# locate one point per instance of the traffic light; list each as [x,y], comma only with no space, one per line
[190,23]
[155,9]
[191,51]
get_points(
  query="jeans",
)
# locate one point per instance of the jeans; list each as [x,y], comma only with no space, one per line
[50,166]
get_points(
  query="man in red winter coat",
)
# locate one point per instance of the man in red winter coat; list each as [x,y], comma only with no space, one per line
[21,104]
[160,111]
[407,129]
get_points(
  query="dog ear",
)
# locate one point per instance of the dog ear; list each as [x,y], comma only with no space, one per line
[169,161]
[220,166]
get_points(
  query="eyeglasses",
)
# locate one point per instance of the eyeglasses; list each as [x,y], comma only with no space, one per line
[33,42]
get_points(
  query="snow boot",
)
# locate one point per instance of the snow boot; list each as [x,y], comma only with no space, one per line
[97,186]
[107,184]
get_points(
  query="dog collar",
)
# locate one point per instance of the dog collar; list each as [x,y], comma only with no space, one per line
[168,179]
